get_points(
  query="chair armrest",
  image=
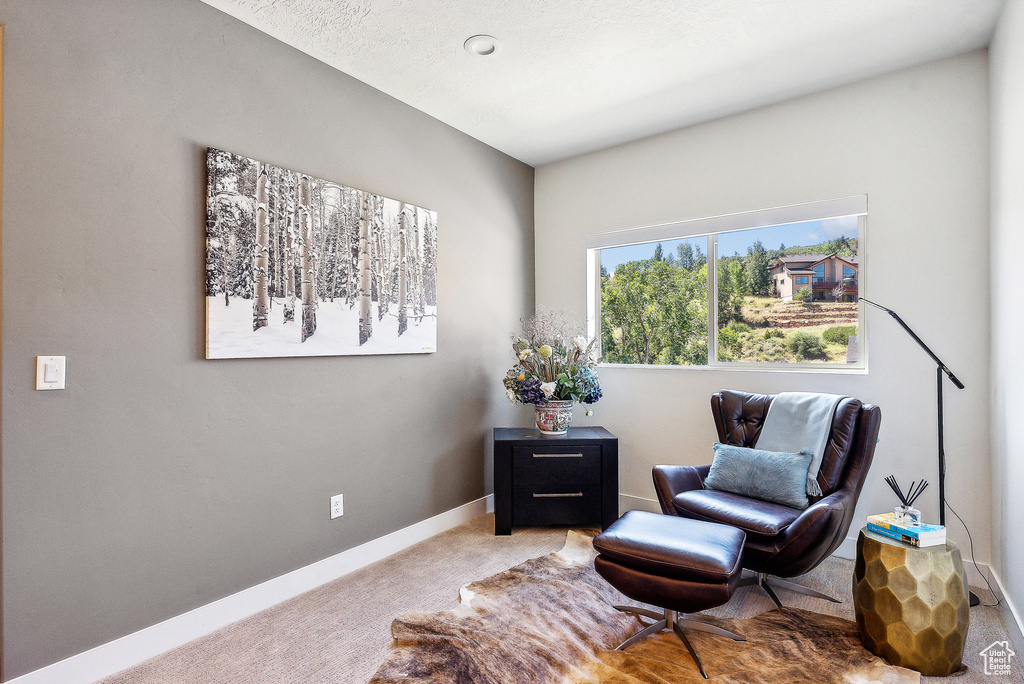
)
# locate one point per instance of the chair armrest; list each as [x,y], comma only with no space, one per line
[816,533]
[670,480]
[831,505]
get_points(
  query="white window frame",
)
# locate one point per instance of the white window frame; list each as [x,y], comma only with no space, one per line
[855,205]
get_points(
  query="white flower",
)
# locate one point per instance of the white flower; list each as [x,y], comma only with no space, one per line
[589,412]
[580,342]
[523,354]
[511,396]
[548,388]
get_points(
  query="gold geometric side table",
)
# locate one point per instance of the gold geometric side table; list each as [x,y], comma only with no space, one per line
[911,603]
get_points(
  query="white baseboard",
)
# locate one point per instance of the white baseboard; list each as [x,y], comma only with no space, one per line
[1011,615]
[628,502]
[848,550]
[117,655]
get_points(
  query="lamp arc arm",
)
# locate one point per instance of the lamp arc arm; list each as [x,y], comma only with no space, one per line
[949,373]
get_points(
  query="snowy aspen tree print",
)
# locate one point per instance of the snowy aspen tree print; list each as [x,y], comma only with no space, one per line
[301,266]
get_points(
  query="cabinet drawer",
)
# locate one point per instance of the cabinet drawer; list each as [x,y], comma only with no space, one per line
[547,505]
[556,465]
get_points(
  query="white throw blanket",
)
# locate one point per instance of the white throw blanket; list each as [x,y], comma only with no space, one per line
[800,421]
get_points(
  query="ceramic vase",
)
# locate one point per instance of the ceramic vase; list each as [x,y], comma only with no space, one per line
[553,417]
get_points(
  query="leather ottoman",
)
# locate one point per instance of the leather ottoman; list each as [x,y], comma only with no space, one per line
[678,564]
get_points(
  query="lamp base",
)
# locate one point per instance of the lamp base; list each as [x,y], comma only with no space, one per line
[973,598]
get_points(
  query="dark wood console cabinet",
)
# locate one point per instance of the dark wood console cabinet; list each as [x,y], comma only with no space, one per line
[565,480]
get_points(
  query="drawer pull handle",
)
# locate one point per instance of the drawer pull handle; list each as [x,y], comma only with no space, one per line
[557,496]
[558,455]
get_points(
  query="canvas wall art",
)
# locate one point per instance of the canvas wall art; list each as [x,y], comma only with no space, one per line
[302,266]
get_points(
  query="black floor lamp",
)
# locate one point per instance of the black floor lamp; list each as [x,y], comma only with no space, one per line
[940,368]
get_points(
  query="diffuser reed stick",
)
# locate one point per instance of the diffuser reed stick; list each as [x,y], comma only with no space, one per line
[914,491]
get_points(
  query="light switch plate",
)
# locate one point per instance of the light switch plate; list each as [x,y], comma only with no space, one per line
[54,379]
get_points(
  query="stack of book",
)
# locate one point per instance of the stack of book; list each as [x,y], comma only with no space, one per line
[916,535]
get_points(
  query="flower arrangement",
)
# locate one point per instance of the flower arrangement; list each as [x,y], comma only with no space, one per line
[554,362]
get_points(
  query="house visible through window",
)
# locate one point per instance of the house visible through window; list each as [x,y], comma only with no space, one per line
[757,294]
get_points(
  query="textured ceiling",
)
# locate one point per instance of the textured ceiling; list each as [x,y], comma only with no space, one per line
[577,76]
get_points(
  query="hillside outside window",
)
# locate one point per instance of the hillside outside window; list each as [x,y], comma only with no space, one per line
[764,289]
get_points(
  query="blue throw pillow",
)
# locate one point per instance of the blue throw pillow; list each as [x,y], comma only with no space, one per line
[766,475]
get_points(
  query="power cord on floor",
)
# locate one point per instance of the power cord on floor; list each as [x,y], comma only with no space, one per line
[974,562]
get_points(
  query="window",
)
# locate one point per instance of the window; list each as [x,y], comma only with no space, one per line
[713,292]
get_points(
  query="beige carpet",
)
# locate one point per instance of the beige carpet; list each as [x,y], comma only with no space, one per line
[552,619]
[341,632]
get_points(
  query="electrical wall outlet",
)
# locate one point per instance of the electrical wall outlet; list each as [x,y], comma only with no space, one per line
[337,506]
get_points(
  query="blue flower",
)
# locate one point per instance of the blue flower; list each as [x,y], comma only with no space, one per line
[587,382]
[531,393]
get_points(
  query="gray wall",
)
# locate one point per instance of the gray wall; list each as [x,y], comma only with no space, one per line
[1007,321]
[159,481]
[916,143]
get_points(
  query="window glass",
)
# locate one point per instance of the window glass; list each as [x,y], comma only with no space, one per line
[757,324]
[653,304]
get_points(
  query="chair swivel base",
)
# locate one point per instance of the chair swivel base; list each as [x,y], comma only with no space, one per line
[678,623]
[761,579]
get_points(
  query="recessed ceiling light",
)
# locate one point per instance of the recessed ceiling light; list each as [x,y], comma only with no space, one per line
[482,45]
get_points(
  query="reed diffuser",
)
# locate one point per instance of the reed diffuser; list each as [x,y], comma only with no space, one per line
[905,513]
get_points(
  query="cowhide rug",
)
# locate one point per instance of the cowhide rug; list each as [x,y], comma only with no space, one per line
[551,619]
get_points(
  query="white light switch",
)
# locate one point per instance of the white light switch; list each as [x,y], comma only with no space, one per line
[50,372]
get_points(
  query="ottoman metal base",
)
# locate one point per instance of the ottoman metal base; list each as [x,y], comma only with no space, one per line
[678,622]
[683,566]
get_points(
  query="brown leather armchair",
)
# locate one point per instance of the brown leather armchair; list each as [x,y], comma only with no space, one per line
[781,541]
